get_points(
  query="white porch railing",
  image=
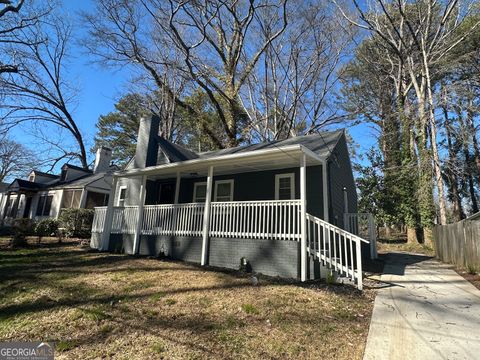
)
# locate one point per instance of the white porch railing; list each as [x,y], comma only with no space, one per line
[99,219]
[253,219]
[273,219]
[124,220]
[363,225]
[180,219]
[336,248]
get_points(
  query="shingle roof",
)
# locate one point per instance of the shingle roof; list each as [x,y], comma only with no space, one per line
[41,173]
[174,152]
[79,182]
[74,167]
[18,184]
[322,144]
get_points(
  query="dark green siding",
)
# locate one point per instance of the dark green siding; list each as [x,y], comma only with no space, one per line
[253,186]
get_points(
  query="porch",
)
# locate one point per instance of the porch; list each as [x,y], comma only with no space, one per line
[274,227]
[228,220]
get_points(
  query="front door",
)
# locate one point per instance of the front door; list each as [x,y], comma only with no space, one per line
[166,193]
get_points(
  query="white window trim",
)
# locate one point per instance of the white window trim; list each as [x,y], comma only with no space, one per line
[120,188]
[291,176]
[195,186]
[219,182]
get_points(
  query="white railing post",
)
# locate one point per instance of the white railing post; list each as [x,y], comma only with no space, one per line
[206,217]
[109,216]
[139,220]
[303,201]
[359,264]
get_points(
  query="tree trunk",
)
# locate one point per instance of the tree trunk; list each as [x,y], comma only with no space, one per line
[454,193]
[433,140]
[472,131]
[428,236]
[468,161]
[412,237]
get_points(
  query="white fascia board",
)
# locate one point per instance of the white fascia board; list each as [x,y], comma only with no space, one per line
[312,155]
[213,161]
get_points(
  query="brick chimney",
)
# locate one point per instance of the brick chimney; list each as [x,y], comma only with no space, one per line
[102,159]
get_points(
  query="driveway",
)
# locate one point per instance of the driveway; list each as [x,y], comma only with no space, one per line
[424,310]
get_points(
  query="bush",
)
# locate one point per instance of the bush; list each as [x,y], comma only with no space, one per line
[21,229]
[77,222]
[46,227]
[6,231]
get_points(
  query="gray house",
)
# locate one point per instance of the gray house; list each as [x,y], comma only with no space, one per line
[282,206]
[43,195]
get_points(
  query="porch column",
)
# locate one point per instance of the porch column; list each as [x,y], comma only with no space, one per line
[138,229]
[83,199]
[60,203]
[303,207]
[5,209]
[177,188]
[206,216]
[326,216]
[107,228]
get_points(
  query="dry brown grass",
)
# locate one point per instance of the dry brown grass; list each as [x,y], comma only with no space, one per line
[400,244]
[97,305]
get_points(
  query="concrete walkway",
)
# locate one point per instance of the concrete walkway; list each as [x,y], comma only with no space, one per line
[424,311]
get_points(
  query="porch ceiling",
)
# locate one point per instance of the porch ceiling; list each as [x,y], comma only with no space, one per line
[279,158]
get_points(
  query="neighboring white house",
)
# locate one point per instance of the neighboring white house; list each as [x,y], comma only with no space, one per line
[43,195]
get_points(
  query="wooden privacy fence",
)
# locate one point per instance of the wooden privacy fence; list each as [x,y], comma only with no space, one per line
[458,243]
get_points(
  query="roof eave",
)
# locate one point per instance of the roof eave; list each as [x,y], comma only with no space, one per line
[183,165]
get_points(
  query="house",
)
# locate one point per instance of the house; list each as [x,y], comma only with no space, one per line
[282,206]
[43,195]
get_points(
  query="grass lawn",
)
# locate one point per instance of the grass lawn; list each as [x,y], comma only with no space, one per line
[97,305]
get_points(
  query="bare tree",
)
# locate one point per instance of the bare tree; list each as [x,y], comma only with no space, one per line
[209,43]
[37,93]
[16,16]
[422,35]
[15,159]
[293,91]
[123,33]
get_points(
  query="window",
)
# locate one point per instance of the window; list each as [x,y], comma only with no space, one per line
[285,186]
[200,192]
[224,190]
[121,196]
[71,199]
[96,199]
[44,205]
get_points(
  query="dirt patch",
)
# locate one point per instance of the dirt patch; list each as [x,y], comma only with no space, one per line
[97,305]
[474,279]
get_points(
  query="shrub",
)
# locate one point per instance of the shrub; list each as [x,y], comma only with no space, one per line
[77,222]
[471,269]
[6,231]
[46,227]
[21,229]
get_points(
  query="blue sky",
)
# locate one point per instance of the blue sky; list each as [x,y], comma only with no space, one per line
[100,88]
